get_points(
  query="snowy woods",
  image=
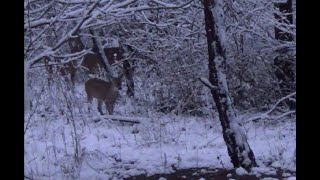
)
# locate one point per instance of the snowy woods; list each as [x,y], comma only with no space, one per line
[189,84]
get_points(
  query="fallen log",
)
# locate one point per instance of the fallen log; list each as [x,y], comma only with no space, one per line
[134,120]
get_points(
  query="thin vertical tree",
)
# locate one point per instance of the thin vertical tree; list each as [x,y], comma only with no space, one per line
[233,133]
[284,62]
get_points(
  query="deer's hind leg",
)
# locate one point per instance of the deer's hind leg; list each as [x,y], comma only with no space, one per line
[89,101]
[100,106]
[109,106]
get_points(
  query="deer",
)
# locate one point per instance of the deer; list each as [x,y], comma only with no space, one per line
[91,63]
[103,91]
[65,70]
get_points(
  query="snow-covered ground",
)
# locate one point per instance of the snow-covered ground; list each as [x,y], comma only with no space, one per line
[83,149]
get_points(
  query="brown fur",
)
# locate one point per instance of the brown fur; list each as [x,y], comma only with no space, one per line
[107,92]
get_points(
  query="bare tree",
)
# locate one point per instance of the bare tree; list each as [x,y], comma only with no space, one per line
[63,20]
[234,135]
[284,63]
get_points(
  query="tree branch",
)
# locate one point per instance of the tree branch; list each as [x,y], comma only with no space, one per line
[266,114]
[135,120]
[206,82]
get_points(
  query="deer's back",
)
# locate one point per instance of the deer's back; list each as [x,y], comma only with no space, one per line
[101,89]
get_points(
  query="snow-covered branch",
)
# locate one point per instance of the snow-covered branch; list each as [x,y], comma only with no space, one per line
[166,5]
[266,115]
[71,33]
[135,120]
[279,101]
[206,82]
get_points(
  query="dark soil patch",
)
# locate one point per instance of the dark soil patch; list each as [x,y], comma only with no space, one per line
[197,173]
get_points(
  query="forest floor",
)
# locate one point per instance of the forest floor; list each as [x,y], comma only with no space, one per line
[59,145]
[109,150]
[216,174]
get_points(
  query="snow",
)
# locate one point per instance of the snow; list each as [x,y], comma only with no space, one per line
[104,144]
[218,14]
[203,171]
[195,174]
[276,164]
[240,171]
[62,141]
[109,150]
[291,178]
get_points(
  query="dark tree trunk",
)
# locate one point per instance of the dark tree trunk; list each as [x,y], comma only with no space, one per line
[129,72]
[115,54]
[287,9]
[234,135]
[284,62]
[98,52]
[75,45]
